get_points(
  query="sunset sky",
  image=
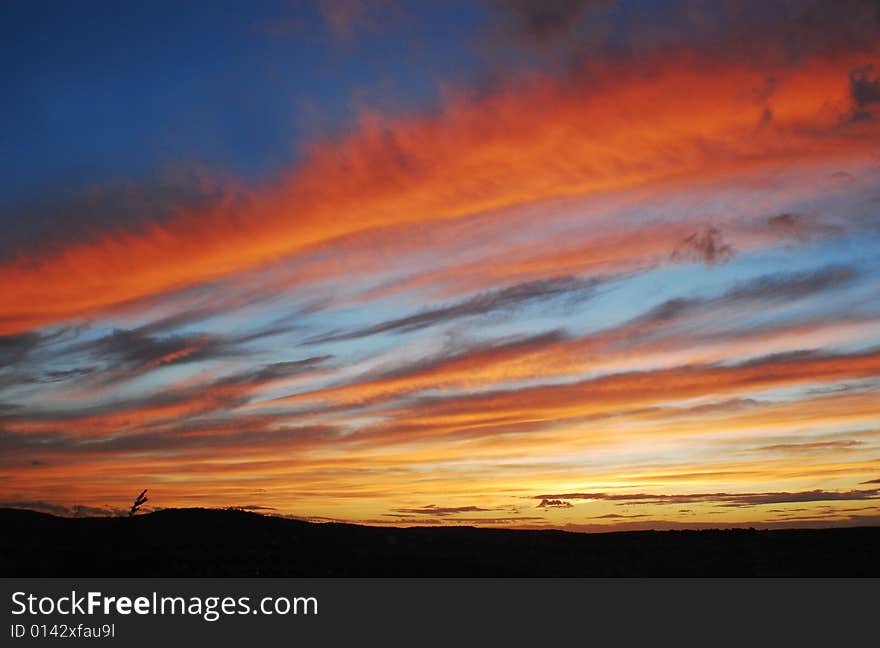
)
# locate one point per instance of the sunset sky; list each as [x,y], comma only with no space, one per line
[590,265]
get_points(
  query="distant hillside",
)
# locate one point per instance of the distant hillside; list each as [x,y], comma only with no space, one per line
[204,542]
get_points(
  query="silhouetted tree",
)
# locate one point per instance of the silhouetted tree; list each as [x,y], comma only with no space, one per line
[138,502]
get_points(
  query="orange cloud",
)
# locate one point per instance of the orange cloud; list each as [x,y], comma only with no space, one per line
[627,126]
[609,394]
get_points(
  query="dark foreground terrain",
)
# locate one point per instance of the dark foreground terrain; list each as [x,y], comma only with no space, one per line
[202,542]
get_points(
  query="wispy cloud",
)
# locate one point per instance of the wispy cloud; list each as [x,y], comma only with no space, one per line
[441,511]
[499,300]
[721,499]
[475,155]
[707,246]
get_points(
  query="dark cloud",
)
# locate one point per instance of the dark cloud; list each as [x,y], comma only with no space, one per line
[482,304]
[128,353]
[475,353]
[42,507]
[783,31]
[873,481]
[617,516]
[175,321]
[135,350]
[842,178]
[221,297]
[15,348]
[818,446]
[440,511]
[275,371]
[514,519]
[147,403]
[722,499]
[776,287]
[252,507]
[57,218]
[77,510]
[781,286]
[554,503]
[864,87]
[58,356]
[706,246]
[541,22]
[784,220]
[184,408]
[22,354]
[80,510]
[844,388]
[400,519]
[575,36]
[835,521]
[801,227]
[798,355]
[793,285]
[66,374]
[729,405]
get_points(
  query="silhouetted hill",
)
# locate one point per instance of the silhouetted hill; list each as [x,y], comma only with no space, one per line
[204,542]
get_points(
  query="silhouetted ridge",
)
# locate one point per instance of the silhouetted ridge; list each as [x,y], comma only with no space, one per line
[208,542]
